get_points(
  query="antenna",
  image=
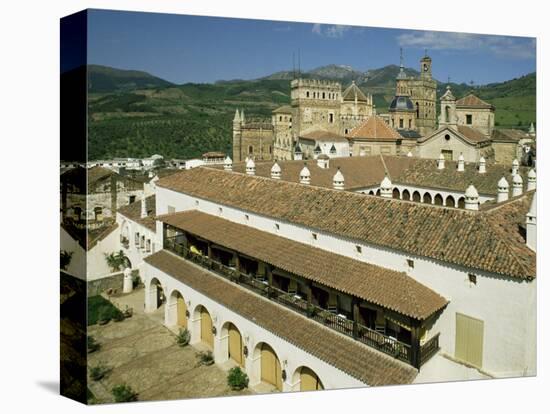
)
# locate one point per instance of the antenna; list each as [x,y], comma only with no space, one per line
[293,66]
[401,56]
[448,80]
[425,52]
[299,64]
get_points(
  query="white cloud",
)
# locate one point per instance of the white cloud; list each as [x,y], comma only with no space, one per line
[334,31]
[504,46]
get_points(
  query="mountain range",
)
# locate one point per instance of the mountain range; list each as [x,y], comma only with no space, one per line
[136,114]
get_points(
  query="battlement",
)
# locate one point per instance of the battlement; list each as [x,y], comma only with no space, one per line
[316,83]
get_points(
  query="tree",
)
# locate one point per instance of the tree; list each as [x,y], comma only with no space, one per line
[116,260]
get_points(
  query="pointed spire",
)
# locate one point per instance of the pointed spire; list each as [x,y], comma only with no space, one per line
[251,167]
[237,117]
[242,116]
[228,164]
[305,175]
[338,180]
[276,171]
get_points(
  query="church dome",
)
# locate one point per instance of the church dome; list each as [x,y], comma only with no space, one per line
[401,103]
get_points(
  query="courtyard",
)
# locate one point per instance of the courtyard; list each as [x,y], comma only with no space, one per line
[142,353]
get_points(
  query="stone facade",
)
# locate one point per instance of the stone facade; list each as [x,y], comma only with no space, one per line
[252,138]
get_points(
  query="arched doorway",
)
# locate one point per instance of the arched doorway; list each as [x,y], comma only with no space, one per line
[309,380]
[178,309]
[438,200]
[156,295]
[450,201]
[427,198]
[416,196]
[270,366]
[235,345]
[395,193]
[461,203]
[207,336]
[406,195]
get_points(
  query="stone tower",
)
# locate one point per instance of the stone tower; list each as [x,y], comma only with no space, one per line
[252,138]
[422,92]
[402,112]
[447,117]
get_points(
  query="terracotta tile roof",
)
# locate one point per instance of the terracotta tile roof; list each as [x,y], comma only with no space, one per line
[359,172]
[455,236]
[133,212]
[472,135]
[323,135]
[353,92]
[473,101]
[387,288]
[424,173]
[376,129]
[509,135]
[345,354]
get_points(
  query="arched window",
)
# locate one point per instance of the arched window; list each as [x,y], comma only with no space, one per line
[417,110]
[447,114]
[450,201]
[461,203]
[438,200]
[427,198]
[406,195]
[323,95]
[416,196]
[395,193]
[307,94]
[250,149]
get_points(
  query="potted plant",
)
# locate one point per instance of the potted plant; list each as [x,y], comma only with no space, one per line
[206,358]
[93,345]
[237,379]
[124,393]
[183,337]
[98,372]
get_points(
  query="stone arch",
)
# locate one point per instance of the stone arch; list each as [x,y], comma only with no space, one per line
[416,196]
[177,310]
[155,295]
[427,198]
[396,193]
[461,202]
[406,195]
[378,192]
[305,379]
[450,201]
[438,200]
[204,328]
[447,113]
[371,192]
[267,366]
[232,344]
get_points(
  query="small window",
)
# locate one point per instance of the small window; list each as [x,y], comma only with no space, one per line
[359,249]
[314,236]
[331,118]
[246,217]
[468,119]
[280,118]
[277,226]
[323,95]
[132,199]
[447,137]
[410,263]
[401,123]
[472,279]
[307,94]
[410,123]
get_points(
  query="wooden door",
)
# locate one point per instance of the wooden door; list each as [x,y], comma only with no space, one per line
[271,367]
[309,381]
[181,311]
[235,345]
[206,328]
[469,340]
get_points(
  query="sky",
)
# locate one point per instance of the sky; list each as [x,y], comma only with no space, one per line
[181,48]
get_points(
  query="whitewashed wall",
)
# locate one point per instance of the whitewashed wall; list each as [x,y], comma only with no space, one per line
[77,266]
[295,357]
[505,306]
[134,252]
[95,258]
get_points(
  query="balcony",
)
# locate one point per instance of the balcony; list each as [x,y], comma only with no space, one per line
[415,355]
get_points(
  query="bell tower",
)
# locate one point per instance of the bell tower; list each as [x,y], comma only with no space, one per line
[426,66]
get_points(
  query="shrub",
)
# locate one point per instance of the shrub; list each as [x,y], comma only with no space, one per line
[103,316]
[100,309]
[118,317]
[237,379]
[206,358]
[93,345]
[124,393]
[183,337]
[98,372]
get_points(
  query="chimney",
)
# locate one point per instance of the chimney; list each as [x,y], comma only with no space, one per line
[531,180]
[472,198]
[276,171]
[305,175]
[482,168]
[461,163]
[228,164]
[531,225]
[386,187]
[297,152]
[515,166]
[441,162]
[323,161]
[250,167]
[409,154]
[338,180]
[503,187]
[517,185]
[143,207]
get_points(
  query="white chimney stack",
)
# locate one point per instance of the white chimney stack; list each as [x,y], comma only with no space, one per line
[409,154]
[386,187]
[228,164]
[441,162]
[517,185]
[503,188]
[143,207]
[305,175]
[531,225]
[531,180]
[251,167]
[515,166]
[276,171]
[338,180]
[323,161]
[461,163]
[482,168]
[472,198]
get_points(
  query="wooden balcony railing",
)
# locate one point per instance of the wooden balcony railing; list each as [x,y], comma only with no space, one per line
[364,334]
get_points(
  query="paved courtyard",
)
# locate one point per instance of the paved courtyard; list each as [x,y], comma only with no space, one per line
[143,354]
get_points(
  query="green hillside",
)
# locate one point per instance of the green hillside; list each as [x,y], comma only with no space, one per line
[187,120]
[107,79]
